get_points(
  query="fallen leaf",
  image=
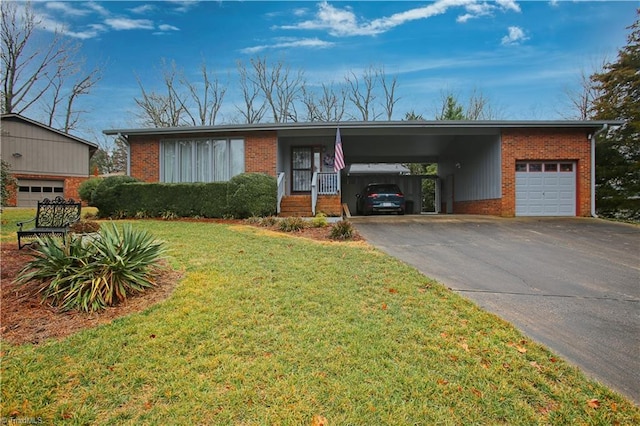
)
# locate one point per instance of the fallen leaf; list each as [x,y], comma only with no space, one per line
[393,290]
[444,335]
[593,403]
[521,349]
[536,365]
[319,421]
[506,366]
[153,336]
[552,359]
[484,365]
[614,407]
[465,347]
[147,405]
[443,382]
[384,306]
[476,392]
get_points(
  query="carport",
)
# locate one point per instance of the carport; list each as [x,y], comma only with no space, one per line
[503,168]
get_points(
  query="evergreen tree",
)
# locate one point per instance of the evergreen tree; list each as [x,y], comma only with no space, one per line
[618,151]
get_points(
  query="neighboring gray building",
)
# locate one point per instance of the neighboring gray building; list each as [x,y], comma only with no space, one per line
[45,162]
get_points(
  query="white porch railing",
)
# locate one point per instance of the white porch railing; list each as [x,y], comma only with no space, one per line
[328,183]
[281,190]
[323,184]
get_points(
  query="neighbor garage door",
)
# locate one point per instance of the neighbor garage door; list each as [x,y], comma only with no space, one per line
[545,189]
[32,191]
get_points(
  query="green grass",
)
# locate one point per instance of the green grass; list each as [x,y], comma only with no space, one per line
[269,329]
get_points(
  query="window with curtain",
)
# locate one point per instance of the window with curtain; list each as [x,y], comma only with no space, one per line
[202,160]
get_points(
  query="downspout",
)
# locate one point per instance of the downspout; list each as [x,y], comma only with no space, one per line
[593,169]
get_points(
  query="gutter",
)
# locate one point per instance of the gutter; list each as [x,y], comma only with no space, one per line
[593,168]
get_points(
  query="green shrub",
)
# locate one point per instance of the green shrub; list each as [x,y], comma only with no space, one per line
[342,230]
[89,275]
[292,224]
[251,194]
[269,221]
[156,199]
[87,188]
[319,221]
[6,181]
[104,198]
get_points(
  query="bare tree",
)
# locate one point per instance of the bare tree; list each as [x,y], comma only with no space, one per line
[361,93]
[33,74]
[280,87]
[250,111]
[389,87]
[329,105]
[162,110]
[479,107]
[208,101]
[580,100]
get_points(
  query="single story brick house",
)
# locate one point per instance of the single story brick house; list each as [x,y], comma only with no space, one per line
[503,168]
[45,162]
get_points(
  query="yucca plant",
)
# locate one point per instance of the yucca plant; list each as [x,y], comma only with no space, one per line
[292,224]
[342,230]
[91,275]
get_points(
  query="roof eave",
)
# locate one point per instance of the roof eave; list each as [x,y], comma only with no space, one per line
[365,124]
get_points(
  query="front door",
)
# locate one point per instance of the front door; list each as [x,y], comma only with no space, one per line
[304,161]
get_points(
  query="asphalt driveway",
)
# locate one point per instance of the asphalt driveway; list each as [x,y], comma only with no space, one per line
[572,284]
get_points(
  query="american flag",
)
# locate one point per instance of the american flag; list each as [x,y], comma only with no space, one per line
[338,163]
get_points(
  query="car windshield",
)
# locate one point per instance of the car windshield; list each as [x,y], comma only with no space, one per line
[383,189]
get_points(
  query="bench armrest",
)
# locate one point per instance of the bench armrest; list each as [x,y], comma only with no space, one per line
[19,224]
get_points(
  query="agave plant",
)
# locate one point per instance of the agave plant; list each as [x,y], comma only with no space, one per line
[90,275]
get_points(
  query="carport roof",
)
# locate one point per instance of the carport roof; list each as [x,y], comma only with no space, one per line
[294,129]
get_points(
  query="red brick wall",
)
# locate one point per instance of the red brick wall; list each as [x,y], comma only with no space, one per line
[71,185]
[260,151]
[546,144]
[487,207]
[145,158]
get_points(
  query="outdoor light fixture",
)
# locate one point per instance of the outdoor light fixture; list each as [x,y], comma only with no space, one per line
[16,155]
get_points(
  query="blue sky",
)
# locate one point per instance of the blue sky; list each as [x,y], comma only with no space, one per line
[521,55]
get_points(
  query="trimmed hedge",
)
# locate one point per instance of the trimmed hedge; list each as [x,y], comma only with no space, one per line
[87,188]
[168,200]
[252,194]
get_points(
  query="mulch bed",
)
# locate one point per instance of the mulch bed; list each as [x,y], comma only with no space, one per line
[25,319]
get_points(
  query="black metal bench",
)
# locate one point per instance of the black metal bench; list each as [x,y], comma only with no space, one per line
[53,217]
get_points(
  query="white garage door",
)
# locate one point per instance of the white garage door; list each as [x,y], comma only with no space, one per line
[32,191]
[545,189]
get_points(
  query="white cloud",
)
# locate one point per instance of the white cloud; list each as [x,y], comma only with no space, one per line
[183,5]
[97,8]
[286,43]
[120,24]
[167,27]
[341,22]
[66,8]
[142,9]
[515,36]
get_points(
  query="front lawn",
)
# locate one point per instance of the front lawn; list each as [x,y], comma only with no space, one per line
[267,328]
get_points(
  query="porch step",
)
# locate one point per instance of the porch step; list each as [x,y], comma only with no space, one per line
[296,205]
[300,205]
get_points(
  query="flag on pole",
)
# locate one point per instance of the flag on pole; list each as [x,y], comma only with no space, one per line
[338,163]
